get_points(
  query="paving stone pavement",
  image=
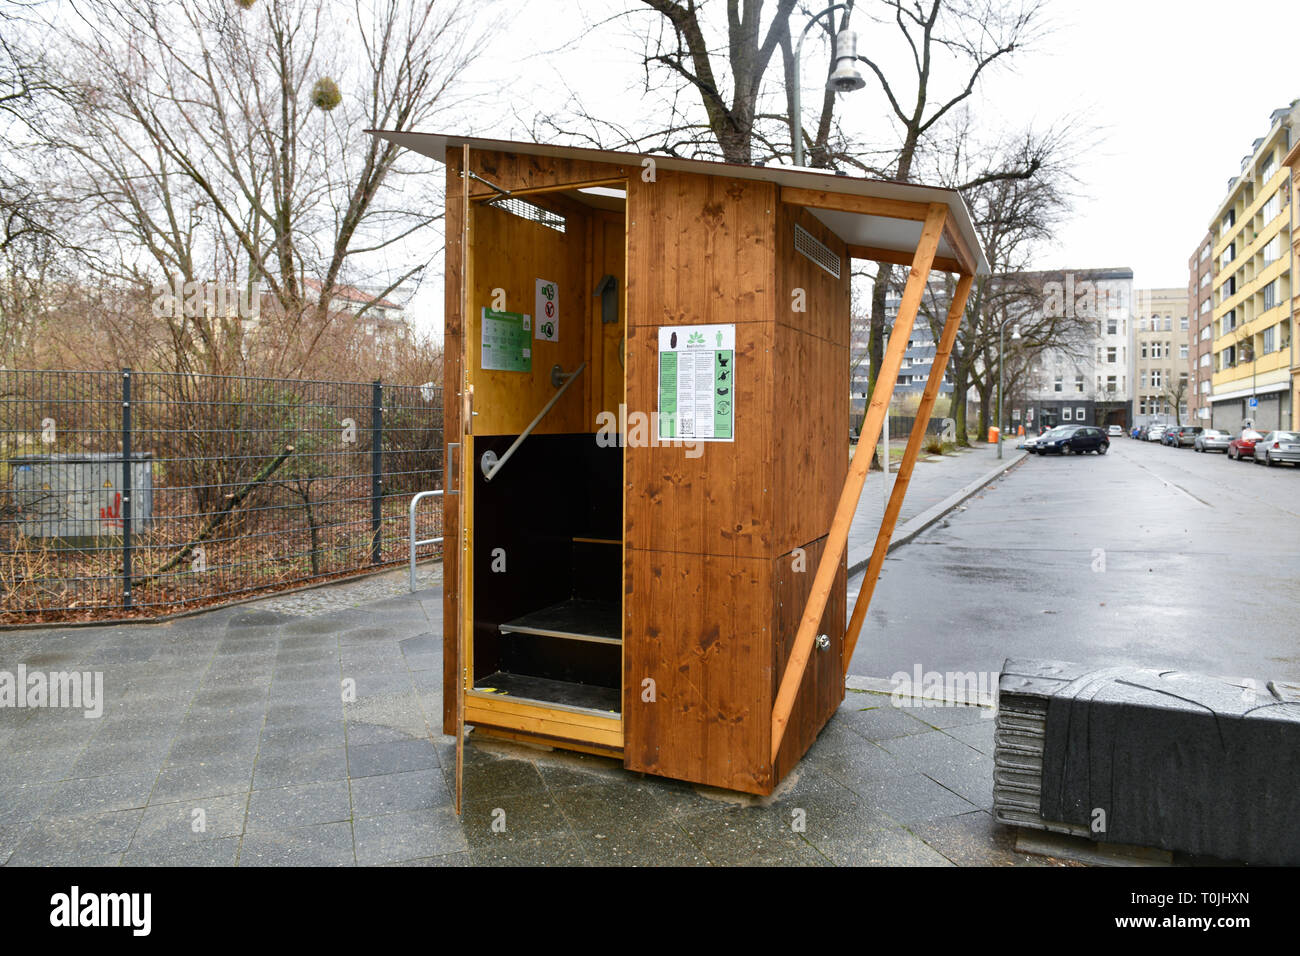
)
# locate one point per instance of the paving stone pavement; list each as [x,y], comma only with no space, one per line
[225,741]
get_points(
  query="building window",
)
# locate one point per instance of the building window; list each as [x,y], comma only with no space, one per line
[1144,350]
[1059,385]
[1205,306]
[1182,350]
[1078,414]
[1157,378]
[1110,383]
[1142,379]
[1182,323]
[1112,326]
[1112,355]
[1078,383]
[1273,250]
[1065,414]
[1142,405]
[1205,360]
[1205,334]
[1270,339]
[1270,295]
[1272,207]
[1266,168]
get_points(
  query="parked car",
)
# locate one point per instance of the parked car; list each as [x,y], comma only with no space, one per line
[1242,447]
[1184,436]
[1169,436]
[1074,440]
[1135,432]
[1211,439]
[1115,431]
[1278,446]
[1155,432]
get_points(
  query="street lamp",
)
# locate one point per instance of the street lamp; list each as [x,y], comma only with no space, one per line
[845,77]
[1015,337]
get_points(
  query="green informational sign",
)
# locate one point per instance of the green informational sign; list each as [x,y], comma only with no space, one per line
[697,387]
[507,342]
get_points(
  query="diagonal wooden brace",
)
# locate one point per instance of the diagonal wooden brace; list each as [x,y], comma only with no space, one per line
[914,442]
[837,538]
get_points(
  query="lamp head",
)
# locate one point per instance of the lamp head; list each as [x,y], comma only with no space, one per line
[845,78]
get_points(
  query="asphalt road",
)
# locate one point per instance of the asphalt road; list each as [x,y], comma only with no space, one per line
[1148,556]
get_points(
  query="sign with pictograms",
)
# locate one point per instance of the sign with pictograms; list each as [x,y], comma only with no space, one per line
[547,311]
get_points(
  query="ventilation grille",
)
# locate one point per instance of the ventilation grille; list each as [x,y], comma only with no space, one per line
[531,212]
[816,251]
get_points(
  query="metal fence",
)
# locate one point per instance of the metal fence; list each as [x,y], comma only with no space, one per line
[135,494]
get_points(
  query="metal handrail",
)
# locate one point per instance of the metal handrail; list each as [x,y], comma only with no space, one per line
[569,379]
[415,500]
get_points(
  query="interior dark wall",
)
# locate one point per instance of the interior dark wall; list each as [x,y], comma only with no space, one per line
[553,489]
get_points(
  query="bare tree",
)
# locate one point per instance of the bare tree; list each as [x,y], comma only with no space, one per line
[1018,190]
[217,140]
[961,39]
[965,38]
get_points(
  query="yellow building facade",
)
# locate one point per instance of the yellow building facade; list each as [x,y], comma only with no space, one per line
[1254,323]
[1292,163]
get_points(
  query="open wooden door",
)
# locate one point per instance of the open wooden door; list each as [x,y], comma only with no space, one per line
[464,481]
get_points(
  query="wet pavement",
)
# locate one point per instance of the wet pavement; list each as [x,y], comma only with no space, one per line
[224,740]
[1149,556]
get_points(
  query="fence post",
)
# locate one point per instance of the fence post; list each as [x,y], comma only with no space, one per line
[126,487]
[376,471]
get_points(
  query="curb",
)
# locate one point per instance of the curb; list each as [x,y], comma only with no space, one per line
[928,517]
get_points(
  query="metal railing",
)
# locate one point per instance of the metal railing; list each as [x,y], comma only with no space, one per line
[135,494]
[415,500]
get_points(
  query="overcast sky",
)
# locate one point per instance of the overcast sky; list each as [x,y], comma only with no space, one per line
[1174,93]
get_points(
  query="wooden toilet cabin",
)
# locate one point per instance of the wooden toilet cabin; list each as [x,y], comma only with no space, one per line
[648,482]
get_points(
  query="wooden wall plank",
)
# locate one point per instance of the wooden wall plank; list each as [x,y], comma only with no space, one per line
[516,171]
[810,445]
[715,498]
[511,253]
[451,411]
[698,626]
[822,688]
[701,251]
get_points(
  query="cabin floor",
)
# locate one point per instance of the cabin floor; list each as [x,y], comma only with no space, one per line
[239,710]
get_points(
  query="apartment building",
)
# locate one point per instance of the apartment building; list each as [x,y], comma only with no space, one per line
[1084,373]
[1252,303]
[1200,332]
[914,371]
[1161,350]
[1292,163]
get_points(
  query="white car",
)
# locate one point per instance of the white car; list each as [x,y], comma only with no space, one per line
[1115,431]
[1156,432]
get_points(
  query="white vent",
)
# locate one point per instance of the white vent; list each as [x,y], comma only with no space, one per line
[816,251]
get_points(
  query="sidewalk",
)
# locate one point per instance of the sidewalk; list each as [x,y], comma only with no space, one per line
[938,485]
[237,713]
